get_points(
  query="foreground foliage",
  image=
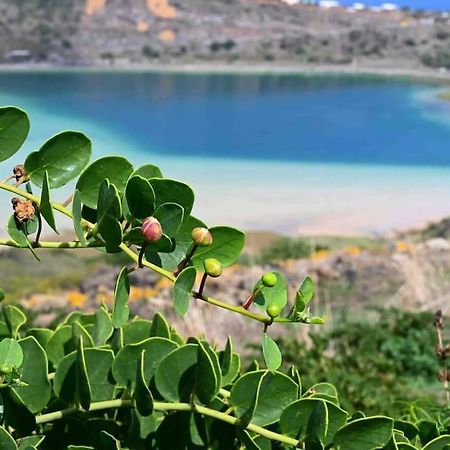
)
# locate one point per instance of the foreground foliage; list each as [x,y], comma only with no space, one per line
[102,381]
[89,385]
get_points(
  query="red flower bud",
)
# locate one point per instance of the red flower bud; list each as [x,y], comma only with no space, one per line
[201,237]
[151,229]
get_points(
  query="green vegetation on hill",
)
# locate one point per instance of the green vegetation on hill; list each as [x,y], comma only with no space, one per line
[382,363]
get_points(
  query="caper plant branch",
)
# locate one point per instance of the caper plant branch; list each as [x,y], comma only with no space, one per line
[135,257]
[51,245]
[164,407]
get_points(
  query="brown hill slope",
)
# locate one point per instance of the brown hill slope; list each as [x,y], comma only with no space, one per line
[186,31]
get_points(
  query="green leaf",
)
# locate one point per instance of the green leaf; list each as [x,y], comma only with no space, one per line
[11,355]
[140,197]
[15,319]
[160,327]
[108,203]
[121,311]
[136,331]
[103,327]
[109,212]
[295,419]
[126,361]
[440,443]
[364,434]
[307,290]
[277,392]
[42,335]
[16,414]
[276,295]
[59,344]
[148,171]
[112,233]
[30,442]
[14,129]
[304,295]
[175,375]
[170,216]
[143,395]
[77,217]
[233,372]
[115,168]
[172,191]
[18,234]
[407,428]
[272,354]
[83,388]
[63,157]
[78,332]
[247,440]
[6,440]
[34,372]
[98,369]
[226,247]
[226,357]
[2,295]
[182,290]
[324,390]
[45,206]
[206,383]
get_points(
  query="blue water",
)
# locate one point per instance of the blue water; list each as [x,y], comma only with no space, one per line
[313,119]
[286,153]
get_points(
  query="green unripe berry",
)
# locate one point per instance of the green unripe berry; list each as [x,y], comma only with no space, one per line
[202,237]
[273,310]
[269,279]
[213,267]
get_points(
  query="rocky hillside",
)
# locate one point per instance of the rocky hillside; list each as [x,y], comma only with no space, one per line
[98,32]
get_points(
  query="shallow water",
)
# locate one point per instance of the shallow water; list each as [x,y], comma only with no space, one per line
[291,153]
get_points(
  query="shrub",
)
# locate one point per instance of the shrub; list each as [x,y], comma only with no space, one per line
[103,381]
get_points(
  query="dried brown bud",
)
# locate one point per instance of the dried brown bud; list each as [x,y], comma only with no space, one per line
[439,320]
[442,375]
[20,174]
[151,229]
[24,210]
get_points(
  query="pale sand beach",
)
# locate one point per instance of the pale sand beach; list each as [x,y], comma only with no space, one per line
[237,68]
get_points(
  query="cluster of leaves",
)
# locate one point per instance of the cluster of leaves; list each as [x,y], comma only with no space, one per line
[89,384]
[379,363]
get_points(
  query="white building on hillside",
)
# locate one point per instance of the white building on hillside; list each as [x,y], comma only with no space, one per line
[328,4]
[359,6]
[389,7]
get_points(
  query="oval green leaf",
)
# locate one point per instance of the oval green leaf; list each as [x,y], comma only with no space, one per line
[14,129]
[272,354]
[63,157]
[115,168]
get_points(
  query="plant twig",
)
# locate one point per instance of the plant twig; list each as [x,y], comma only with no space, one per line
[165,407]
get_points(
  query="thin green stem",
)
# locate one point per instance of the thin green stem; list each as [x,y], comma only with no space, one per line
[52,245]
[160,406]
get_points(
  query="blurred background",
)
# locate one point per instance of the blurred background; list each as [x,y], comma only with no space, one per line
[321,128]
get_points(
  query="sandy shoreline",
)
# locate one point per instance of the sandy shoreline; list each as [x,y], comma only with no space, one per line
[244,69]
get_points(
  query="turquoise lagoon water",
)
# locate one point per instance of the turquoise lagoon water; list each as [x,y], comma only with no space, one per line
[289,153]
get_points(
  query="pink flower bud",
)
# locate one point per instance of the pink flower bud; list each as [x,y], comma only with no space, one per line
[202,237]
[151,229]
